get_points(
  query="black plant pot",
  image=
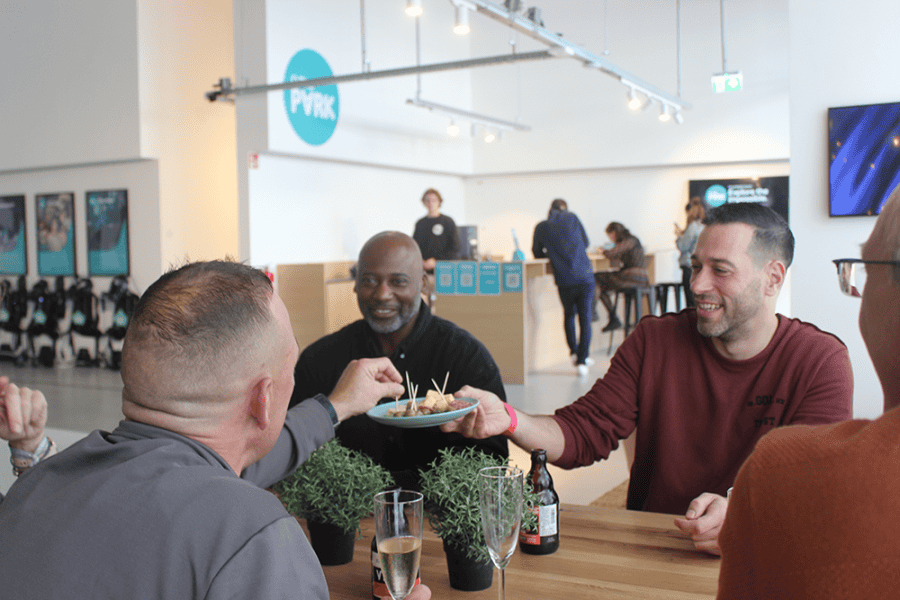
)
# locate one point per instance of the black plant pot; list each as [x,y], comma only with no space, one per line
[332,545]
[466,574]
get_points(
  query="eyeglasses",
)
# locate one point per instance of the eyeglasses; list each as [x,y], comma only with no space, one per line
[852,273]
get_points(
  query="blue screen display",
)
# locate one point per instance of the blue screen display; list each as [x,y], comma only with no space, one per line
[863,157]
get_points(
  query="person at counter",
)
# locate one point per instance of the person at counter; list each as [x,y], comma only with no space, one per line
[562,239]
[813,511]
[156,508]
[701,386]
[397,324]
[436,234]
[627,253]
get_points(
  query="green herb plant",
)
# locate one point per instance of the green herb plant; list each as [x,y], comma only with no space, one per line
[452,499]
[335,485]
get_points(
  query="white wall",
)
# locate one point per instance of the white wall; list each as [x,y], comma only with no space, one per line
[825,78]
[110,94]
[69,74]
[310,211]
[185,47]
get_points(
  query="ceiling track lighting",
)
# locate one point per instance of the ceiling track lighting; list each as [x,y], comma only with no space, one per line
[476,119]
[462,20]
[634,102]
[453,129]
[664,114]
[414,8]
[531,24]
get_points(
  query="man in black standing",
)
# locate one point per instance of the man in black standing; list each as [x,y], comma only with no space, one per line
[562,239]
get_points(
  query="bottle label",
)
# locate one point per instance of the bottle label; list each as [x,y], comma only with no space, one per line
[379,587]
[546,526]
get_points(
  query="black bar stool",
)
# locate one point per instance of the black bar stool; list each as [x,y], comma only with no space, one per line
[634,296]
[662,295]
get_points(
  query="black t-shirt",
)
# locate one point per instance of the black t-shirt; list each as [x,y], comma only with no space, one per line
[437,237]
[434,347]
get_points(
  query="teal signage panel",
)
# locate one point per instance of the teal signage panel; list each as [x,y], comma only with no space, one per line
[466,278]
[489,278]
[445,278]
[512,277]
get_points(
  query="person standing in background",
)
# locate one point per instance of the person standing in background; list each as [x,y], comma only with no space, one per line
[628,255]
[562,239]
[437,237]
[685,240]
[435,233]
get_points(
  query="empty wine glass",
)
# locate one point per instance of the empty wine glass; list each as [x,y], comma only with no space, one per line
[501,514]
[398,534]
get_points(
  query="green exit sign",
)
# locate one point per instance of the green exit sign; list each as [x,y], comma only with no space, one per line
[727,82]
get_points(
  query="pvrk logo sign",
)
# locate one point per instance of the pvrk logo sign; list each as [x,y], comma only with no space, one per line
[313,111]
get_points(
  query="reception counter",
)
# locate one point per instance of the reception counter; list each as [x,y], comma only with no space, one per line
[522,330]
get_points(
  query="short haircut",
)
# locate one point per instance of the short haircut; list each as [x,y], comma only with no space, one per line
[772,237]
[203,310]
[558,204]
[436,193]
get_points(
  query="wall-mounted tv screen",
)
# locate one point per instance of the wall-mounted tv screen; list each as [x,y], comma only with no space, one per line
[863,157]
[768,191]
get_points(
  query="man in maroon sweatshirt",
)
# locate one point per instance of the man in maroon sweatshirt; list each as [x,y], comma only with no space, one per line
[701,386]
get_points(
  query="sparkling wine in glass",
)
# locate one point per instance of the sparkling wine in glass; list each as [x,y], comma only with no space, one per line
[501,513]
[398,534]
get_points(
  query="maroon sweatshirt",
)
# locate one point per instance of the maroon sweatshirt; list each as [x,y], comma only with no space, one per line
[699,415]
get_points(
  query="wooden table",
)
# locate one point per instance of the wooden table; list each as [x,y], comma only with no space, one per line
[603,553]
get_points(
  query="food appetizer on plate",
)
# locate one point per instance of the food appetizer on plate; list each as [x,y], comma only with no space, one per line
[434,402]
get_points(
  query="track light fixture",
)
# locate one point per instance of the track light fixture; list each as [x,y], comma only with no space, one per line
[678,118]
[462,20]
[453,129]
[664,115]
[414,8]
[634,102]
[489,137]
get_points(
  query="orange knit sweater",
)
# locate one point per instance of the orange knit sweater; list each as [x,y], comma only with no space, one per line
[815,513]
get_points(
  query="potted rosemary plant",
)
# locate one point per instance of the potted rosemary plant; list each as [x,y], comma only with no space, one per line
[333,490]
[452,500]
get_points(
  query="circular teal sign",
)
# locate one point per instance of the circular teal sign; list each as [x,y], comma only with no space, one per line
[716,195]
[313,111]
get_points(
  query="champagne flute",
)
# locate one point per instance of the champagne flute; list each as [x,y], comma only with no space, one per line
[398,534]
[501,513]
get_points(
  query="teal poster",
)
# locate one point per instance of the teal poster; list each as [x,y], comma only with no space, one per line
[445,278]
[466,278]
[512,277]
[107,232]
[56,234]
[13,260]
[489,278]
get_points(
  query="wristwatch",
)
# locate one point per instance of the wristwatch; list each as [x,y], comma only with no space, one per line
[22,460]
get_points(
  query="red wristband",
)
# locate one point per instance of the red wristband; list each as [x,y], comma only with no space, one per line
[513,421]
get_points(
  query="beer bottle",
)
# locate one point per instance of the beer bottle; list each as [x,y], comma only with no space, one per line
[545,540]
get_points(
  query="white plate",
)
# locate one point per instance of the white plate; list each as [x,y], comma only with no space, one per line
[379,414]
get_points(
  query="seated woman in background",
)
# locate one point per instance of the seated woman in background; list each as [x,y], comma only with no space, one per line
[628,255]
[686,239]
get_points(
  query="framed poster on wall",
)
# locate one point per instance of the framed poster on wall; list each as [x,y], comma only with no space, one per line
[13,259]
[107,232]
[56,234]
